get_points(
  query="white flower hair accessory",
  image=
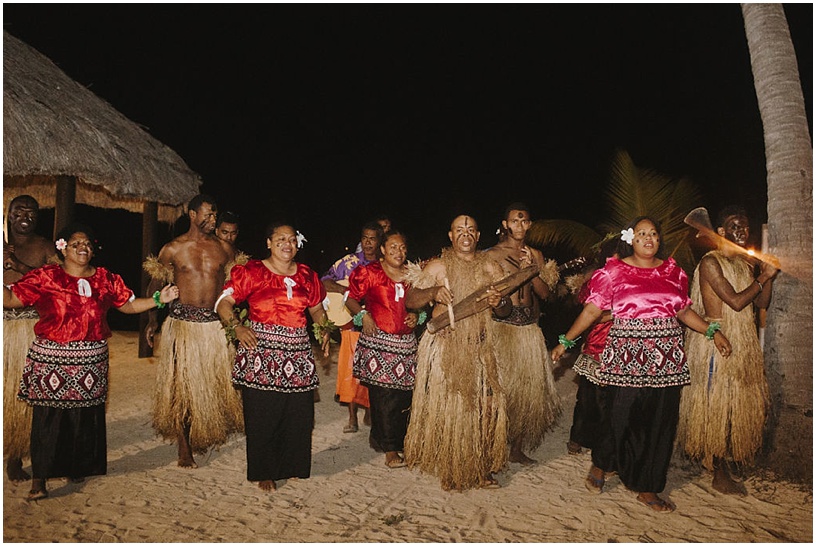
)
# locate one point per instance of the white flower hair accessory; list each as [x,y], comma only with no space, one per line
[61,244]
[301,239]
[628,235]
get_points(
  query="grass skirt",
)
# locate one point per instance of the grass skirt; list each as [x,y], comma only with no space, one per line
[18,335]
[193,385]
[723,411]
[525,366]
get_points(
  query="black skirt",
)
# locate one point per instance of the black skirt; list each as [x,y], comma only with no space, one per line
[278,429]
[586,417]
[389,416]
[636,437]
[68,443]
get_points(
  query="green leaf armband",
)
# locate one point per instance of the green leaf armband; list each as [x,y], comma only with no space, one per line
[157,299]
[712,329]
[568,344]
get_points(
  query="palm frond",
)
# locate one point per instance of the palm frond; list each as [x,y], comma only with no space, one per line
[574,235]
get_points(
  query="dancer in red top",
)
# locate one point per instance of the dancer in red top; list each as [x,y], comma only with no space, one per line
[274,366]
[385,356]
[65,378]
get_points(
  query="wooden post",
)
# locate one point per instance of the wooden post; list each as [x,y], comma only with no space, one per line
[149,242]
[64,202]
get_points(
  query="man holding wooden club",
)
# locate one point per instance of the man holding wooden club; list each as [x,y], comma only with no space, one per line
[458,425]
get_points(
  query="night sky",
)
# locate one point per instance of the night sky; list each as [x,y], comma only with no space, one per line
[326,115]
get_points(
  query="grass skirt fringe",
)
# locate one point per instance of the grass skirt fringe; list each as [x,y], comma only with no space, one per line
[723,411]
[458,425]
[194,386]
[533,403]
[18,335]
[447,436]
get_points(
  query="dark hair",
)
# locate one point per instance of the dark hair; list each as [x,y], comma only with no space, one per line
[25,197]
[730,210]
[516,205]
[68,231]
[196,202]
[228,217]
[625,249]
[271,227]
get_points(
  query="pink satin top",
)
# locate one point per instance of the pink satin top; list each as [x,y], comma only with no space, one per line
[65,314]
[636,292]
[272,299]
[383,298]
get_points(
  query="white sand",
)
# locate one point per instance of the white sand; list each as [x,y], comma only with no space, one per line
[353,497]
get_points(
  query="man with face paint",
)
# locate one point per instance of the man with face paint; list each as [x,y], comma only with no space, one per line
[24,251]
[195,403]
[723,411]
[532,400]
[458,425]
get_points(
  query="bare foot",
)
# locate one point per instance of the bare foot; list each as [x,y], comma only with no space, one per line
[267,485]
[518,456]
[15,472]
[185,452]
[724,483]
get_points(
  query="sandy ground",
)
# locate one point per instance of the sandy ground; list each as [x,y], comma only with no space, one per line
[353,497]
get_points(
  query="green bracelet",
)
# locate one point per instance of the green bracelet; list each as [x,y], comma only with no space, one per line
[358,318]
[422,317]
[712,328]
[562,339]
[157,299]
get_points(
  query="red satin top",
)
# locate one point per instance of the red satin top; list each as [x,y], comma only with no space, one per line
[267,293]
[65,315]
[637,292]
[382,297]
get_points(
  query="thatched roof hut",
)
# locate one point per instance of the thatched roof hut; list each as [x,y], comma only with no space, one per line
[54,130]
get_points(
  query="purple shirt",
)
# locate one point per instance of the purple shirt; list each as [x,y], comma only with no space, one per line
[342,268]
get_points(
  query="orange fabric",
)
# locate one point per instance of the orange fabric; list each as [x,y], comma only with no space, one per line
[348,386]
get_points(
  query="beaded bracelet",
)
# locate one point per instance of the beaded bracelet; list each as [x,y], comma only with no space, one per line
[568,344]
[157,299]
[712,329]
[423,316]
[358,318]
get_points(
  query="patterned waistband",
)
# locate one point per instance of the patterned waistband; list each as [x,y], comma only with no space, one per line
[645,328]
[22,313]
[521,315]
[192,313]
[277,334]
[65,375]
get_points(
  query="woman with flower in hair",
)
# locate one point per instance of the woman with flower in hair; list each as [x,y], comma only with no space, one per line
[643,364]
[385,355]
[275,366]
[65,378]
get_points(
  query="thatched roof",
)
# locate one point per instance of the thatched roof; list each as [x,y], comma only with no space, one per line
[53,126]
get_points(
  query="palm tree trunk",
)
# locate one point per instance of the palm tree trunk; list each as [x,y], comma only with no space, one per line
[789,163]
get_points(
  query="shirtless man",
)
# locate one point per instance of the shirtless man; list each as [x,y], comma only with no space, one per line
[24,251]
[226,227]
[532,400]
[723,411]
[195,403]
